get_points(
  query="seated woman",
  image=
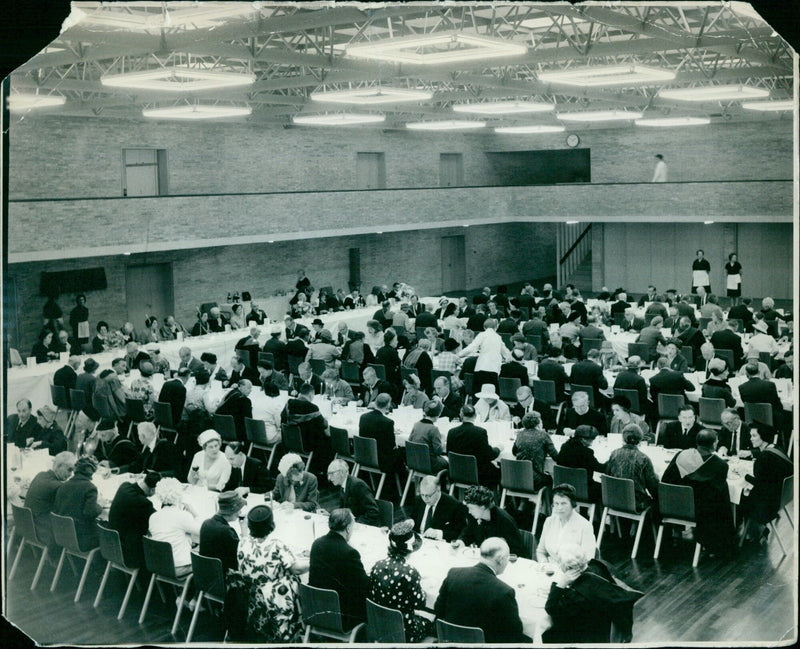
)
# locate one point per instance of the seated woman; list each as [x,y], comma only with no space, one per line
[676,360]
[77,498]
[100,342]
[152,332]
[210,468]
[413,395]
[486,519]
[295,487]
[452,322]
[374,336]
[565,525]
[395,584]
[437,344]
[622,416]
[586,599]
[302,307]
[534,444]
[237,317]
[201,327]
[44,350]
[176,523]
[609,359]
[273,570]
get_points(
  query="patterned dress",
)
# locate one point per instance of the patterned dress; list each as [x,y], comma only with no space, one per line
[274,606]
[395,584]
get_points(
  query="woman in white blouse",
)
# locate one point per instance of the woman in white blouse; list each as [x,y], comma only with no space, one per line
[565,525]
[210,468]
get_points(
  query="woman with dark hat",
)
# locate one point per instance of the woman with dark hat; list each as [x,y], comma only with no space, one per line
[621,416]
[274,606]
[395,584]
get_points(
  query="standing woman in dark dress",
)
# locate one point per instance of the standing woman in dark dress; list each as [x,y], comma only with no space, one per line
[733,271]
[700,270]
[303,283]
[79,321]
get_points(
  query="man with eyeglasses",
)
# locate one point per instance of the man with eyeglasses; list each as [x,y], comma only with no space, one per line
[355,495]
[438,515]
[41,495]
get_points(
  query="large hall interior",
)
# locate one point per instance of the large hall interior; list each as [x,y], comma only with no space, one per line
[198,160]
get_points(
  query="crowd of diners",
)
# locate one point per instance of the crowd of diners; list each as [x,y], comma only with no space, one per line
[446,364]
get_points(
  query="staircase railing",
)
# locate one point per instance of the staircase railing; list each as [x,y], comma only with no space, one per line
[573,243]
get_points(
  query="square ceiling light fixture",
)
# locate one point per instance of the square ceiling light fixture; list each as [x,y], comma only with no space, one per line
[446,125]
[672,121]
[28,101]
[599,116]
[608,75]
[338,119]
[774,105]
[434,49]
[504,107]
[529,130]
[714,93]
[372,96]
[179,78]
[200,16]
[197,111]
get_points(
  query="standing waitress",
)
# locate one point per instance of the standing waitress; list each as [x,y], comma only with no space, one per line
[700,270]
[303,283]
[733,270]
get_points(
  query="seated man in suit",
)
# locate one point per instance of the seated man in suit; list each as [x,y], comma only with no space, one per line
[438,515]
[734,436]
[756,390]
[173,392]
[551,369]
[450,402]
[373,387]
[589,372]
[475,596]
[218,539]
[158,454]
[267,375]
[130,514]
[314,430]
[716,387]
[237,404]
[581,415]
[336,565]
[668,381]
[295,487]
[469,439]
[630,322]
[246,471]
[354,494]
[240,371]
[374,424]
[682,433]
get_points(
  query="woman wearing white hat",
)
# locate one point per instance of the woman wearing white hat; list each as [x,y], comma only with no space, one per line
[489,406]
[761,340]
[210,467]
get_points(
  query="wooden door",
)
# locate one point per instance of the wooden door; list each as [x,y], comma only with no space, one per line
[370,170]
[451,170]
[141,172]
[148,291]
[454,264]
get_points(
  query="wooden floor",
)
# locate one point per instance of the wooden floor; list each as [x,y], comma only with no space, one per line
[751,599]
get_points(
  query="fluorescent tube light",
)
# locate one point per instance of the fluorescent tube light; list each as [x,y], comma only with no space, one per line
[197,112]
[445,125]
[504,107]
[28,101]
[443,48]
[372,96]
[775,104]
[599,116]
[608,75]
[714,93]
[532,129]
[672,121]
[338,119]
[178,79]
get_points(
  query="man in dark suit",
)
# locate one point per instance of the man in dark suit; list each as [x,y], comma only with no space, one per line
[245,471]
[305,414]
[515,369]
[42,495]
[241,371]
[336,565]
[438,515]
[373,387]
[24,430]
[510,325]
[305,375]
[188,360]
[249,347]
[173,392]
[756,390]
[277,348]
[668,381]
[237,404]
[67,376]
[725,338]
[577,453]
[630,322]
[157,455]
[630,379]
[620,305]
[551,370]
[464,309]
[686,310]
[742,312]
[589,372]
[469,439]
[374,424]
[682,433]
[217,538]
[450,401]
[476,320]
[130,514]
[476,597]
[426,318]
[581,415]
[734,436]
[354,494]
[268,375]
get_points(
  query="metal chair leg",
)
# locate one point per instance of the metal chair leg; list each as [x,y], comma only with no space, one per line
[658,541]
[102,584]
[85,574]
[603,517]
[39,568]
[58,570]
[194,617]
[696,558]
[16,559]
[128,592]
[147,599]
[180,604]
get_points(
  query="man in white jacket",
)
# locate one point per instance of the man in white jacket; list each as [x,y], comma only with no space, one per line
[491,351]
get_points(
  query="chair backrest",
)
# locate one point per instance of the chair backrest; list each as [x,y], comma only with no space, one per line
[736,324]
[588,389]
[292,438]
[703,322]
[507,340]
[77,399]
[59,396]
[457,634]
[400,330]
[317,366]
[418,457]
[463,468]
[676,501]
[669,405]
[618,493]
[711,410]
[536,341]
[320,608]
[641,350]
[135,409]
[14,358]
[386,510]
[365,451]
[380,370]
[632,396]
[384,624]
[588,344]
[787,491]
[468,383]
[110,545]
[340,441]
[766,358]
[758,413]
[688,354]
[578,478]
[226,427]
[420,331]
[256,431]
[208,575]
[435,374]
[516,475]
[525,311]
[544,391]
[267,356]
[508,388]
[726,355]
[158,557]
[162,415]
[529,543]
[405,372]
[64,532]
[294,362]
[349,371]
[23,523]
